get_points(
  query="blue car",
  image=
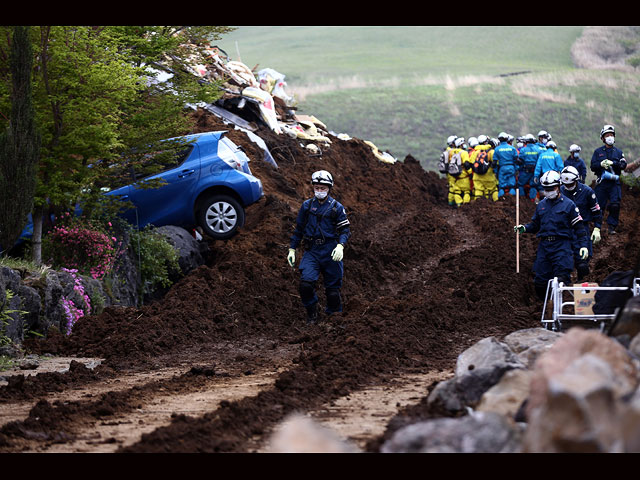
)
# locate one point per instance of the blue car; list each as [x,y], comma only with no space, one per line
[209,185]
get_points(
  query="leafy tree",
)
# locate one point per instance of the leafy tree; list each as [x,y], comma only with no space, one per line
[19,144]
[95,98]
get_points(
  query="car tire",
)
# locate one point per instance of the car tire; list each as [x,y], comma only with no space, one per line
[220,216]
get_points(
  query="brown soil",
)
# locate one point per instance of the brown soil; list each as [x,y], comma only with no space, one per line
[225,356]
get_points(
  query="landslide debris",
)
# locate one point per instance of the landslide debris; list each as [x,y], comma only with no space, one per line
[422,283]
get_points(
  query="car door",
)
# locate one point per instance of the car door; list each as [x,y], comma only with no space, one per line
[170,203]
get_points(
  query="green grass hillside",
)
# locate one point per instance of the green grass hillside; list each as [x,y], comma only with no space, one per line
[407,89]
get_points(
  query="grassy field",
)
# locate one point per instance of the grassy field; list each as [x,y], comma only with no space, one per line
[407,89]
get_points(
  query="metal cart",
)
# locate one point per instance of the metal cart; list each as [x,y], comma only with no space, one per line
[554,293]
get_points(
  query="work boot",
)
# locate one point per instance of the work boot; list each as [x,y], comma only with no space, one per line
[312,314]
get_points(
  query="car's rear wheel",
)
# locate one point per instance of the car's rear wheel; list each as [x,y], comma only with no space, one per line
[220,216]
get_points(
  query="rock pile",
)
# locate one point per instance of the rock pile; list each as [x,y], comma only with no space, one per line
[535,391]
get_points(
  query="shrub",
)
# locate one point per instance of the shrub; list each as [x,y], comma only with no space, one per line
[157,258]
[82,245]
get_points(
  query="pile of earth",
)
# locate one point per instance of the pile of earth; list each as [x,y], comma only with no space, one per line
[422,283]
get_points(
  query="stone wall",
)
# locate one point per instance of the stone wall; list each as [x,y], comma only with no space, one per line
[38,300]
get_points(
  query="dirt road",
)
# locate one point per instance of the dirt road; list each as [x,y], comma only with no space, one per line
[225,356]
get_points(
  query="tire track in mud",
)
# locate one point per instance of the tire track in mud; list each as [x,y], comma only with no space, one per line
[356,418]
[115,411]
[126,428]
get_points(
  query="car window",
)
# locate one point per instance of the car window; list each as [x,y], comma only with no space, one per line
[161,161]
[113,175]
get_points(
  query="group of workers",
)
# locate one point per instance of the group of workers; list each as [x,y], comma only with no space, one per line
[490,168]
[563,217]
[566,206]
[494,167]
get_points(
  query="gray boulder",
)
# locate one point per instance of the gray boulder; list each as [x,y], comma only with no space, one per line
[190,251]
[478,433]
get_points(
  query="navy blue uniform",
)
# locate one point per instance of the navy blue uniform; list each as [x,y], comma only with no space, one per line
[556,223]
[587,202]
[320,227]
[578,164]
[608,191]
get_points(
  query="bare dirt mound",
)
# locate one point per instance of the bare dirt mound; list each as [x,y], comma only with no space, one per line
[422,283]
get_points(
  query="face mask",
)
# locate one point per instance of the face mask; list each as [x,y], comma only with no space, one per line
[544,141]
[550,194]
[520,145]
[609,140]
[570,187]
[321,195]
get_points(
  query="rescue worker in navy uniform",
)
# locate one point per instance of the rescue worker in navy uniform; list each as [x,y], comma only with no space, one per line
[556,222]
[585,199]
[322,227]
[574,160]
[607,163]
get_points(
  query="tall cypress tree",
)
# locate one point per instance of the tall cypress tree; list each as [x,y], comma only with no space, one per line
[19,145]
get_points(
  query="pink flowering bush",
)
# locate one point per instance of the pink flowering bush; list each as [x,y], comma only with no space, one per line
[73,312]
[81,245]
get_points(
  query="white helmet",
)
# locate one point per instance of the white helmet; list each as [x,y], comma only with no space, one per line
[551,144]
[550,179]
[483,139]
[473,142]
[322,177]
[459,142]
[574,148]
[543,134]
[569,175]
[503,137]
[451,139]
[607,129]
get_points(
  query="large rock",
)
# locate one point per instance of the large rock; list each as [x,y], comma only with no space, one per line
[487,353]
[508,395]
[478,369]
[577,395]
[190,251]
[478,433]
[528,344]
[574,344]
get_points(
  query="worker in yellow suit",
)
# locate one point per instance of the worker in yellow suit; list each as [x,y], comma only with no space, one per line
[443,168]
[485,183]
[460,184]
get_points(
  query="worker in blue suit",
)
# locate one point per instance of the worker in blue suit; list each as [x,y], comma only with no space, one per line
[322,227]
[608,162]
[558,224]
[548,160]
[505,158]
[528,154]
[585,199]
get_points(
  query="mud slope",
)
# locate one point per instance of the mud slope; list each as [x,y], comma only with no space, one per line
[422,283]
